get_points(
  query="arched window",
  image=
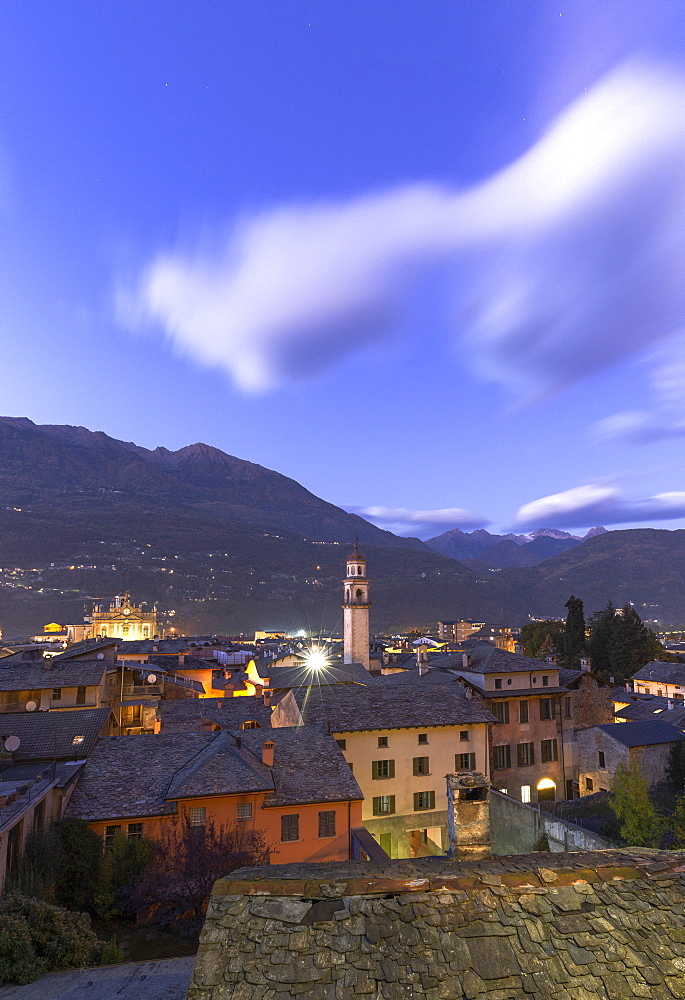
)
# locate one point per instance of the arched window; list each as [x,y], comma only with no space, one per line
[360,594]
[359,570]
[250,724]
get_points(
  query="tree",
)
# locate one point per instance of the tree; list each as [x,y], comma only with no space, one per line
[602,626]
[640,823]
[677,824]
[534,636]
[121,867]
[79,858]
[620,643]
[574,633]
[189,859]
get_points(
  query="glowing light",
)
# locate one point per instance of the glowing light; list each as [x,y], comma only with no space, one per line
[316,659]
[545,783]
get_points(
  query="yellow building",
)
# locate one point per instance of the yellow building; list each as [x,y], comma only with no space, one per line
[123,620]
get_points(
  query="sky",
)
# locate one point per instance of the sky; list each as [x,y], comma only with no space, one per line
[426,258]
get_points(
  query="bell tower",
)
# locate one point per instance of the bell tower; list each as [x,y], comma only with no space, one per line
[355,607]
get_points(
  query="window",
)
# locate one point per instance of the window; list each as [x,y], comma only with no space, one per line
[501,757]
[600,757]
[57,694]
[589,785]
[464,735]
[290,827]
[546,709]
[342,744]
[523,711]
[659,693]
[465,762]
[567,708]
[250,724]
[197,816]
[548,751]
[545,681]
[382,768]
[80,695]
[525,793]
[424,800]
[525,754]
[110,832]
[423,737]
[384,805]
[422,765]
[134,831]
[77,740]
[382,741]
[498,683]
[327,823]
[500,709]
[503,791]
[244,811]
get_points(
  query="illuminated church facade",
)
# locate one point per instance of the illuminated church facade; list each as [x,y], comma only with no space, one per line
[123,620]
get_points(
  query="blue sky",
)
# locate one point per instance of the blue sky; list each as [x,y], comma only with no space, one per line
[425,258]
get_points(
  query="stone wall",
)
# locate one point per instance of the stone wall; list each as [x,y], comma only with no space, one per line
[516,828]
[653,760]
[595,926]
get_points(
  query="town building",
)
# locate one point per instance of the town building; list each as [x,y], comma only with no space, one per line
[293,784]
[47,684]
[602,748]
[400,741]
[123,620]
[458,631]
[662,679]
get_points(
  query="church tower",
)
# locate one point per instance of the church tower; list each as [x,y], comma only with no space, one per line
[355,607]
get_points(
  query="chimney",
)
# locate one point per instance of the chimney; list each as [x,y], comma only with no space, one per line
[422,660]
[181,659]
[468,816]
[466,660]
[266,696]
[586,665]
[268,753]
[669,705]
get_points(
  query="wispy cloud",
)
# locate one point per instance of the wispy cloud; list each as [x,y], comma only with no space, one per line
[598,504]
[421,523]
[572,258]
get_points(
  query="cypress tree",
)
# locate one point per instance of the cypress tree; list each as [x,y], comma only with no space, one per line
[602,628]
[574,633]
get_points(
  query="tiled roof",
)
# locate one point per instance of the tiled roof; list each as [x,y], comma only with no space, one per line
[129,776]
[487,659]
[185,715]
[642,734]
[300,676]
[410,675]
[659,670]
[51,735]
[87,646]
[34,676]
[308,766]
[352,709]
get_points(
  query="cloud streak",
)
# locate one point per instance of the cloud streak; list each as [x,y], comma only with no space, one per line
[421,523]
[564,263]
[598,504]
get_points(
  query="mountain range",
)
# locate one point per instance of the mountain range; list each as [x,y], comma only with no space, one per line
[229,546]
[482,550]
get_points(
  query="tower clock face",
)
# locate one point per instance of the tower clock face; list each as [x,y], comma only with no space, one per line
[127,611]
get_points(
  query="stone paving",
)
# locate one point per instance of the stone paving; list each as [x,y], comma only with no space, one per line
[163,980]
[604,925]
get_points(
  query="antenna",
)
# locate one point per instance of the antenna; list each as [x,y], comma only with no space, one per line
[151,678]
[31,706]
[12,743]
[101,656]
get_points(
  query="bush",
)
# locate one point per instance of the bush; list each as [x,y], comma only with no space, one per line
[78,864]
[37,937]
[121,868]
[18,960]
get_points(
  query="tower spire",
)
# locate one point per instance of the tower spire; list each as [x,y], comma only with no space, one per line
[355,607]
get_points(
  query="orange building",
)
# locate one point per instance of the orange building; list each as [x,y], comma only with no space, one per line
[292,784]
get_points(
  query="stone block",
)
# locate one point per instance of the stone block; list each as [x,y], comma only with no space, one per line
[287,910]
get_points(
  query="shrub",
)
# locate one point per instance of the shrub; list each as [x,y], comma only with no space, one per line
[37,937]
[78,864]
[121,867]
[18,960]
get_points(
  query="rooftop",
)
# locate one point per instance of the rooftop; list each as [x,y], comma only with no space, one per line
[659,670]
[185,715]
[32,676]
[62,735]
[642,734]
[352,709]
[487,659]
[131,776]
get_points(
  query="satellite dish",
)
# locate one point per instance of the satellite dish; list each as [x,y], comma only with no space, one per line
[12,743]
[151,678]
[101,656]
[31,706]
